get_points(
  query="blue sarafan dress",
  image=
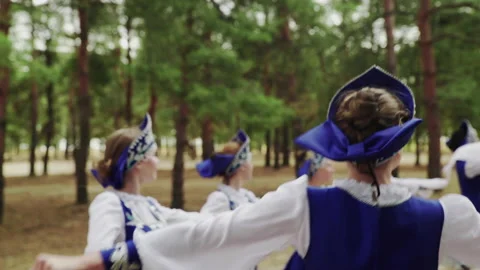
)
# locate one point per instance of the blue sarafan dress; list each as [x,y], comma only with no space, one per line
[349,226]
[465,159]
[404,236]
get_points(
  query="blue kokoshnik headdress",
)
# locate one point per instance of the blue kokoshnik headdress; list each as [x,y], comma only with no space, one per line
[138,150]
[465,134]
[328,140]
[224,164]
[311,165]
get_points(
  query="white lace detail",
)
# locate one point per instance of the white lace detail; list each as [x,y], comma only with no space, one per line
[390,194]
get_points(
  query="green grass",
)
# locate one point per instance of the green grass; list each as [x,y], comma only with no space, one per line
[41,215]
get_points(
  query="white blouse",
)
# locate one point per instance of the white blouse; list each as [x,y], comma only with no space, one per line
[106,225]
[468,153]
[219,200]
[240,239]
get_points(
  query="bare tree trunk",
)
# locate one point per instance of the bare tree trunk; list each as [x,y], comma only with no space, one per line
[72,125]
[276,149]
[299,154]
[67,143]
[389,28]
[118,111]
[33,126]
[4,86]
[286,145]
[81,155]
[391,57]
[429,88]
[417,148]
[208,147]
[129,92]
[33,100]
[267,86]
[50,110]
[207,138]
[288,92]
[152,108]
[268,144]
[181,124]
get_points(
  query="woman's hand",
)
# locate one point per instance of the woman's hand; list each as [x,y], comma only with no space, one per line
[92,261]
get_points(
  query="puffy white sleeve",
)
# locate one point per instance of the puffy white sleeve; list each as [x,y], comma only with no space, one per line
[234,240]
[174,216]
[217,202]
[106,225]
[469,154]
[461,230]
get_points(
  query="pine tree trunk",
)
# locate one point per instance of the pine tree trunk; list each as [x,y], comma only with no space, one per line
[429,88]
[276,149]
[208,147]
[267,87]
[389,17]
[268,151]
[286,145]
[152,108]
[72,125]
[181,123]
[207,138]
[299,156]
[81,155]
[33,100]
[67,142]
[129,90]
[50,110]
[33,126]
[4,86]
[417,148]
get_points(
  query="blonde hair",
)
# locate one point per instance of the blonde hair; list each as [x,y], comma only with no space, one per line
[364,112]
[116,143]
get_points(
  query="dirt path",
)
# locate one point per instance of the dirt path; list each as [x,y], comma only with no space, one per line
[61,167]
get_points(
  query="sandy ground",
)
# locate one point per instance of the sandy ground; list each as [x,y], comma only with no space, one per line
[41,214]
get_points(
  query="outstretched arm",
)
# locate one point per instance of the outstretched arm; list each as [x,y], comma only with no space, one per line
[232,240]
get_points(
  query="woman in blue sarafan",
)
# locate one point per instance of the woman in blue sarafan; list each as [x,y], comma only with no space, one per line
[120,212]
[320,172]
[466,161]
[234,165]
[363,222]
[465,147]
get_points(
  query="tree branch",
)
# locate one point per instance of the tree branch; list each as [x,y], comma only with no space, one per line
[471,5]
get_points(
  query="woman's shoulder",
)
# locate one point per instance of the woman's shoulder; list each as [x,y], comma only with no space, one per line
[456,202]
[217,195]
[106,196]
[105,201]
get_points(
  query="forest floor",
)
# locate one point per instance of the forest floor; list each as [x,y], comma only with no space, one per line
[41,215]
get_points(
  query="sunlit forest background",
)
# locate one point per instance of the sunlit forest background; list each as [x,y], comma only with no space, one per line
[73,71]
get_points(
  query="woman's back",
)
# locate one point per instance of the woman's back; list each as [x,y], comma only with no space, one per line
[347,233]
